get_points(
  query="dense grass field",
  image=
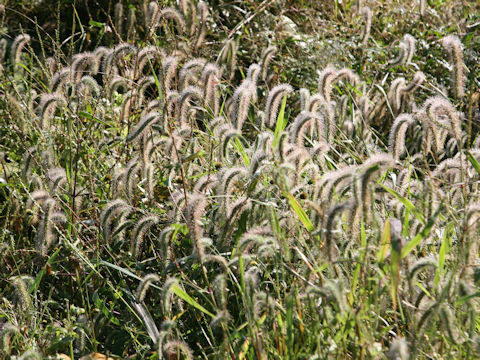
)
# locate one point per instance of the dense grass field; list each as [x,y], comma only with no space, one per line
[240,179]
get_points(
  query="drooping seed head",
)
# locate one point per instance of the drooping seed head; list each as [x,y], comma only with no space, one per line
[266,57]
[396,139]
[152,17]
[410,42]
[138,233]
[453,46]
[228,54]
[302,122]
[439,109]
[188,94]
[173,348]
[210,79]
[274,99]
[325,79]
[60,78]
[144,125]
[194,210]
[242,98]
[398,350]
[202,10]
[395,94]
[113,208]
[145,284]
[148,55]
[170,65]
[47,107]
[170,13]
[416,82]
[83,61]
[253,72]
[17,47]
[367,14]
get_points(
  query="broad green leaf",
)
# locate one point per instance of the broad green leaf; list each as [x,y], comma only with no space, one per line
[101,305]
[95,24]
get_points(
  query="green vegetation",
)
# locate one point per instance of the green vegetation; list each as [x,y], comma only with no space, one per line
[240,180]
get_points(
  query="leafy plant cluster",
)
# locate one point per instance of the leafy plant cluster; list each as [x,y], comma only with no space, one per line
[167,195]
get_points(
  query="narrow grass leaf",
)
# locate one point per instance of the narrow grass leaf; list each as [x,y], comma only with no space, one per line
[422,235]
[395,258]
[281,123]
[122,270]
[384,243]
[302,215]
[33,289]
[241,269]
[188,299]
[356,273]
[363,235]
[155,77]
[444,249]
[408,204]
[289,318]
[241,150]
[421,287]
[144,315]
[89,116]
[474,162]
[467,298]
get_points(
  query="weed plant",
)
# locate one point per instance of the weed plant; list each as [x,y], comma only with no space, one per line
[175,190]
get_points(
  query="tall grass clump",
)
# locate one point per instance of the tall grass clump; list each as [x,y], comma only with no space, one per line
[227,180]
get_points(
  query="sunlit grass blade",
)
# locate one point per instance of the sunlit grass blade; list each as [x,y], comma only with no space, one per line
[358,267]
[384,242]
[474,162]
[408,204]
[302,215]
[188,299]
[144,315]
[467,298]
[422,235]
[241,150]
[281,122]
[89,116]
[444,250]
